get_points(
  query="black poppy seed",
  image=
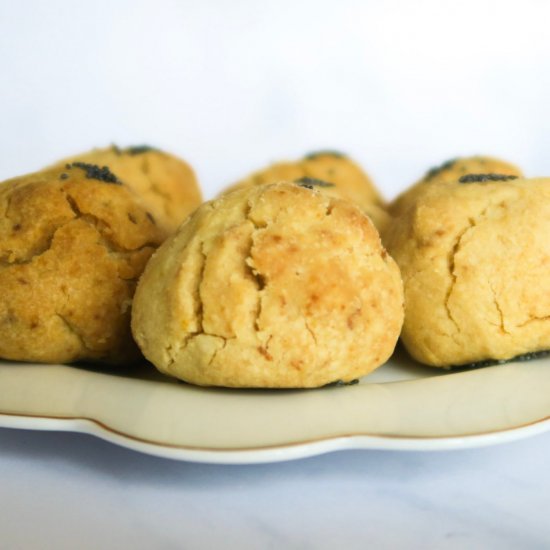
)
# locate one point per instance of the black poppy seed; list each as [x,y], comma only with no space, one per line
[479,364]
[63,176]
[532,355]
[95,172]
[139,149]
[340,383]
[324,153]
[310,183]
[491,362]
[482,178]
[432,172]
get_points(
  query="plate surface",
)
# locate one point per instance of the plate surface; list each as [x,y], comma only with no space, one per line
[401,406]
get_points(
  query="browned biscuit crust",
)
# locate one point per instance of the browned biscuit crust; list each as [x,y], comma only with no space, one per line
[270,286]
[73,242]
[166,184]
[348,181]
[474,255]
[449,171]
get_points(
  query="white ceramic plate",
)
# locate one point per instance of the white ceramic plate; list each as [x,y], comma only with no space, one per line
[401,406]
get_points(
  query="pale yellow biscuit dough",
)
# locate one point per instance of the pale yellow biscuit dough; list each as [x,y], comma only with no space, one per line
[73,242]
[347,180]
[273,286]
[474,259]
[450,171]
[166,184]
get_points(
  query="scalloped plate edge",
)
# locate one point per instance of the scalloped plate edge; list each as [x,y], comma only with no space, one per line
[275,453]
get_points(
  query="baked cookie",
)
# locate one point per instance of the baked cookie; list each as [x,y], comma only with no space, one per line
[474,256]
[342,178]
[166,184]
[273,286]
[73,242]
[378,214]
[449,171]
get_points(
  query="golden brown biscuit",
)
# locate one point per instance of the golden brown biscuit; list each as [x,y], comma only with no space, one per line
[378,215]
[73,243]
[347,179]
[270,286]
[450,171]
[474,255]
[166,184]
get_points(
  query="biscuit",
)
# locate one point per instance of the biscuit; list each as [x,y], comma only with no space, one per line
[73,242]
[474,255]
[274,286]
[348,181]
[166,184]
[450,171]
[378,215]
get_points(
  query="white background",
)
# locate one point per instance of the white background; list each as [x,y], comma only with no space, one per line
[230,86]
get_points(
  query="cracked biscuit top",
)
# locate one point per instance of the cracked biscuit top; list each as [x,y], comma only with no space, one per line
[275,286]
[73,242]
[474,259]
[453,170]
[166,184]
[348,180]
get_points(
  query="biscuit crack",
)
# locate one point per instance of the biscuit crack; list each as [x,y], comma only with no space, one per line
[533,319]
[72,329]
[215,354]
[199,305]
[309,329]
[499,310]
[101,226]
[173,351]
[451,267]
[256,276]
[472,223]
[260,282]
[35,254]
[39,251]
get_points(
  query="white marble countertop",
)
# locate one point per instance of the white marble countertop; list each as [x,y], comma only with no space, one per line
[62,490]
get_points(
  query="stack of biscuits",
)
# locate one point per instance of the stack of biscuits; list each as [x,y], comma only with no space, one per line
[297,276]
